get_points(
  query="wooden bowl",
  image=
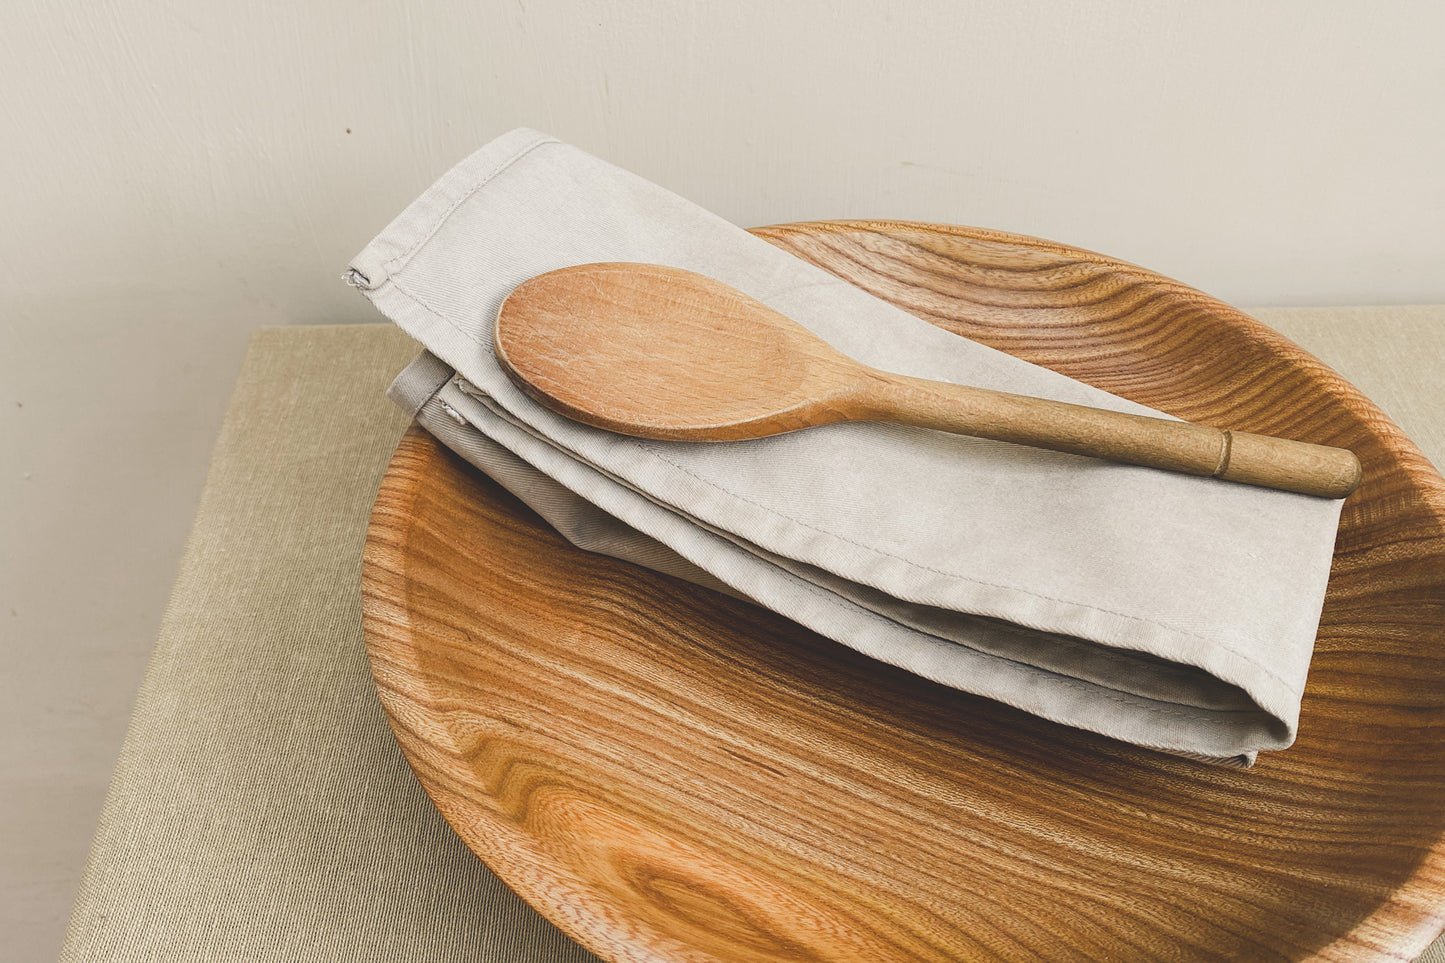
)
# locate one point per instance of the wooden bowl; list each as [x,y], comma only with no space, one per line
[668,774]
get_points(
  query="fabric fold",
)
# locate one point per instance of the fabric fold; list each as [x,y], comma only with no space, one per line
[1168,611]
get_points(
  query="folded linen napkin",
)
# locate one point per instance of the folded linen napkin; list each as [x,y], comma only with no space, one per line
[1165,610]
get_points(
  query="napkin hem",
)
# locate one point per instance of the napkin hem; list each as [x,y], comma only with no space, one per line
[410,230]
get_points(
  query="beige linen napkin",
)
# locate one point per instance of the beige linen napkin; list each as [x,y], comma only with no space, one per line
[1166,610]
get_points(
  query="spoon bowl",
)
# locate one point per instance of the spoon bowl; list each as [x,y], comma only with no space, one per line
[668,354]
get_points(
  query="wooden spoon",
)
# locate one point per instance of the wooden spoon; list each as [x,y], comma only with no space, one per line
[659,352]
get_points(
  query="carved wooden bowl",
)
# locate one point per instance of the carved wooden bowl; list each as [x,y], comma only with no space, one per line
[669,774]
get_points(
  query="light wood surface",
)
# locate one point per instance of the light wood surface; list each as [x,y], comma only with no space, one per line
[660,352]
[673,775]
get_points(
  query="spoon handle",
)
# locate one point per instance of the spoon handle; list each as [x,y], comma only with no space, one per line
[1181,446]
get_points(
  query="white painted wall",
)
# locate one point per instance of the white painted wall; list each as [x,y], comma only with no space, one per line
[175,173]
[1284,152]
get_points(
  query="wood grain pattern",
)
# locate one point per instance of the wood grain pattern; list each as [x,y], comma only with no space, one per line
[659,352]
[673,775]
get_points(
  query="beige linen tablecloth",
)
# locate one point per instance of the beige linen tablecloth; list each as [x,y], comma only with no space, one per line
[260,810]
